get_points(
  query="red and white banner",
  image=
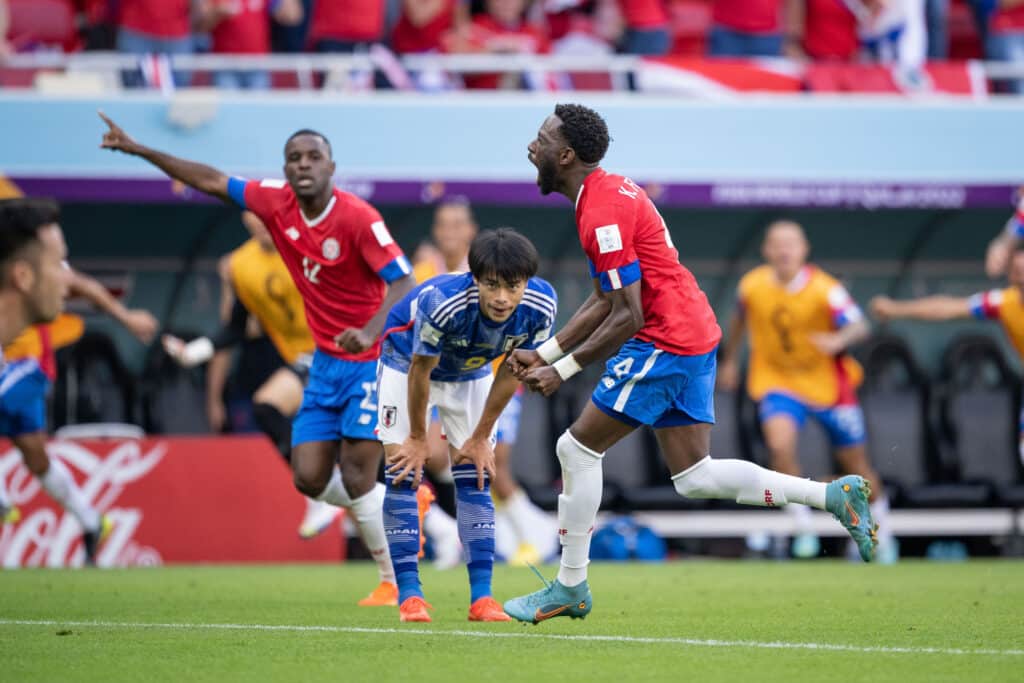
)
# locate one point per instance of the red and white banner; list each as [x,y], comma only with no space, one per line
[710,78]
[223,499]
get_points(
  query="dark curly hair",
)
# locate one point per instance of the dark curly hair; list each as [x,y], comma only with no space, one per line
[585,131]
[20,221]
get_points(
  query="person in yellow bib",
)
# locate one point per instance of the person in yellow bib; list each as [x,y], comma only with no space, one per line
[801,322]
[1005,306]
[263,290]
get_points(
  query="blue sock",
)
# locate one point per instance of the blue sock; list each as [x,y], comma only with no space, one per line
[402,528]
[476,528]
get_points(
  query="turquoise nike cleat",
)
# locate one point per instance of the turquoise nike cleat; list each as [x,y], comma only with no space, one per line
[847,499]
[554,600]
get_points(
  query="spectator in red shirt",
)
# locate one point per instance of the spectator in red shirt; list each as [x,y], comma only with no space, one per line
[346,25]
[5,47]
[646,27]
[243,27]
[423,23]
[822,30]
[155,27]
[501,29]
[746,28]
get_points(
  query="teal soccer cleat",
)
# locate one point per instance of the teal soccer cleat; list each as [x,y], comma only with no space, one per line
[554,600]
[847,499]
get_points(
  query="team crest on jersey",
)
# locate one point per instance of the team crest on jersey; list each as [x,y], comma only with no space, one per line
[513,342]
[331,248]
[292,233]
[389,416]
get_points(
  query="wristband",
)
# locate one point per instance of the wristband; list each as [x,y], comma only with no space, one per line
[550,351]
[566,367]
[196,352]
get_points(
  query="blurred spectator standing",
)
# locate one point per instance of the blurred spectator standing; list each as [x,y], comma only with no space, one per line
[894,32]
[422,24]
[647,31]
[1003,21]
[502,28]
[155,27]
[5,23]
[243,27]
[937,21]
[821,30]
[292,38]
[746,28]
[346,25]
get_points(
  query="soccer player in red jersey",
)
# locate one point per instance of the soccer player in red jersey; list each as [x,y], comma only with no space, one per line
[349,272]
[649,315]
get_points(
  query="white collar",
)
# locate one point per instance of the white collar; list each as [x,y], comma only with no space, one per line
[323,214]
[580,193]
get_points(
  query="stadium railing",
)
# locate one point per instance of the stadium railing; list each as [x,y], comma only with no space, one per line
[304,70]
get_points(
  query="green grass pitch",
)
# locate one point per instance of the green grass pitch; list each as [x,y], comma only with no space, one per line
[694,621]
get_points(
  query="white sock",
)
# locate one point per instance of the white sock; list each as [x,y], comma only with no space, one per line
[335,492]
[518,508]
[748,484]
[880,515]
[62,488]
[368,513]
[801,515]
[582,484]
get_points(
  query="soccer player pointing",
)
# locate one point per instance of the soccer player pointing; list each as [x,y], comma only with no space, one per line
[349,272]
[647,312]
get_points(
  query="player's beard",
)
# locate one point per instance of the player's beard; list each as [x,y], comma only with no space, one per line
[547,176]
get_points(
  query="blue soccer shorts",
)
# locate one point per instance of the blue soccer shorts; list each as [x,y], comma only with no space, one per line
[844,424]
[644,385]
[340,401]
[23,388]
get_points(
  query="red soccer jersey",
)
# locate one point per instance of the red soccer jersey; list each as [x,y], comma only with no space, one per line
[347,20]
[340,261]
[748,16]
[626,240]
[161,18]
[246,30]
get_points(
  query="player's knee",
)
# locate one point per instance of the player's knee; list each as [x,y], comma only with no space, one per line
[574,456]
[309,482]
[696,481]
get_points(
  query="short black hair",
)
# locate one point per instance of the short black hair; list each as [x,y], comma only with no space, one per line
[20,221]
[314,133]
[503,253]
[585,131]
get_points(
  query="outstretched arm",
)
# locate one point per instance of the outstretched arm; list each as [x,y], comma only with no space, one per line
[204,178]
[932,308]
[139,322]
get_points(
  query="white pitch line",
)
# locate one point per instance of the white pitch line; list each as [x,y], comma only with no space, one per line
[693,642]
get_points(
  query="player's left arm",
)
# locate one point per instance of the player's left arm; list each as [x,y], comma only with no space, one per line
[851,327]
[625,318]
[997,256]
[384,257]
[139,322]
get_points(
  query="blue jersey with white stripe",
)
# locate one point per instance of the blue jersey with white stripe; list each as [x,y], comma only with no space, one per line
[442,317]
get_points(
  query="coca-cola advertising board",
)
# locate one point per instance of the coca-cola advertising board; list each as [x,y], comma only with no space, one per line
[181,499]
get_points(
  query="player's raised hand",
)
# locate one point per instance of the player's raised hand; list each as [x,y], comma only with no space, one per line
[116,139]
[545,380]
[409,461]
[882,308]
[521,361]
[142,324]
[479,452]
[354,340]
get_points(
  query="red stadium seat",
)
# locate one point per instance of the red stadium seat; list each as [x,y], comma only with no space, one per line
[45,22]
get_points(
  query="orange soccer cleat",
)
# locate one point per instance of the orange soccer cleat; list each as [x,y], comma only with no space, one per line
[384,595]
[424,498]
[415,609]
[487,609]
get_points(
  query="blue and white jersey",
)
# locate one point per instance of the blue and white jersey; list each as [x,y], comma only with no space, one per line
[442,317]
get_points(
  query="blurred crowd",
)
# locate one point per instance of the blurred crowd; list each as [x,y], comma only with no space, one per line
[904,32]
